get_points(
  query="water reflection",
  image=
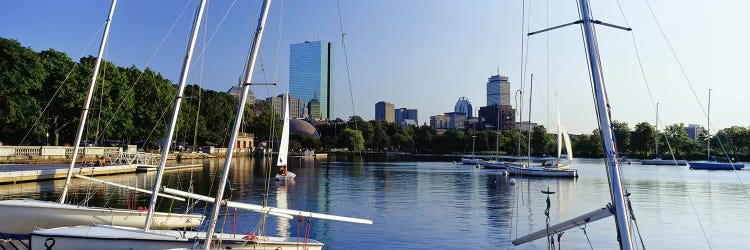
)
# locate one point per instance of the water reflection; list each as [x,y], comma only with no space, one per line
[436,204]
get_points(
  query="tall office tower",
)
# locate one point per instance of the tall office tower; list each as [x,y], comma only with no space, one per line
[384,111]
[311,72]
[498,90]
[296,106]
[463,105]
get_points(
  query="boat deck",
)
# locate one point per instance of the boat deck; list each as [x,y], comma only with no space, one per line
[14,242]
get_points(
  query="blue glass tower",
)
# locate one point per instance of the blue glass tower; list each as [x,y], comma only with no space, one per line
[312,71]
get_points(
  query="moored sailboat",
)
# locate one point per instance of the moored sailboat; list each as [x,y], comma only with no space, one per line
[618,195]
[555,168]
[710,163]
[95,237]
[24,216]
[657,159]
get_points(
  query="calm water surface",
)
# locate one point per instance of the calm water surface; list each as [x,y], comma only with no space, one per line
[434,204]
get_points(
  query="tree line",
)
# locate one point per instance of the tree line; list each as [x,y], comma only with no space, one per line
[134,106]
[637,142]
[129,104]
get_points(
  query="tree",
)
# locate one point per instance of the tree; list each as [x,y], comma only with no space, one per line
[354,139]
[642,139]
[678,139]
[22,77]
[541,141]
[622,136]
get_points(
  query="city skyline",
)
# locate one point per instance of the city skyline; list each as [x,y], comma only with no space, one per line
[397,58]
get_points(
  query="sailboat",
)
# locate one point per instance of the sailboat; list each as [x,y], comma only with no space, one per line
[711,163]
[284,174]
[473,160]
[111,237]
[618,195]
[657,160]
[555,168]
[24,216]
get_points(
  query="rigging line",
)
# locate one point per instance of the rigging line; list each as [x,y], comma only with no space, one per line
[690,85]
[524,56]
[666,139]
[346,58]
[139,17]
[351,93]
[67,76]
[546,65]
[591,85]
[278,42]
[216,30]
[148,63]
[674,55]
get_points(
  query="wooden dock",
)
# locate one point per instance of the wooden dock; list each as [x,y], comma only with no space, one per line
[151,168]
[11,174]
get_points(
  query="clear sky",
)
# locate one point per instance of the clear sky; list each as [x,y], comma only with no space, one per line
[427,54]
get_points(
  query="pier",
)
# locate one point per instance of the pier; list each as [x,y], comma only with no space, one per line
[15,173]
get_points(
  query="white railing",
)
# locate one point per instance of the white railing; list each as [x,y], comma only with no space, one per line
[37,150]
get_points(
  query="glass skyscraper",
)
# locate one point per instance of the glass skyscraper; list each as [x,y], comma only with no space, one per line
[312,74]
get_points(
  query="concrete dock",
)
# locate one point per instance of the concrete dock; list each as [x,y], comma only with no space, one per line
[15,173]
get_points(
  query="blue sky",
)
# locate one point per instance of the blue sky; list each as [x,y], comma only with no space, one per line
[427,54]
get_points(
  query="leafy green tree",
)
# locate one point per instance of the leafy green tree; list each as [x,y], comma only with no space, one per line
[541,141]
[622,136]
[22,75]
[678,139]
[642,139]
[354,139]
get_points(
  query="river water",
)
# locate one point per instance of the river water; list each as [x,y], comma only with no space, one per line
[433,203]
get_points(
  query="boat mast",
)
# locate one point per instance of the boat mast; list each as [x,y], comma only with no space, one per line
[85,112]
[708,128]
[528,145]
[175,113]
[617,192]
[656,135]
[237,120]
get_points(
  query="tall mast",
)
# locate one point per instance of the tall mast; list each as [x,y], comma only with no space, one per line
[531,93]
[175,113]
[656,135]
[622,214]
[237,121]
[708,128]
[85,112]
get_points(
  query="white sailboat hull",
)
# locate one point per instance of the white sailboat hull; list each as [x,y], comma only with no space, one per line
[664,162]
[24,216]
[112,237]
[471,161]
[494,164]
[288,176]
[542,171]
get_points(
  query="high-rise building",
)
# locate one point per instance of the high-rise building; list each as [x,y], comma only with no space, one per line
[313,109]
[692,131]
[439,121]
[505,113]
[406,117]
[457,120]
[463,105]
[311,72]
[498,90]
[296,106]
[384,111]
